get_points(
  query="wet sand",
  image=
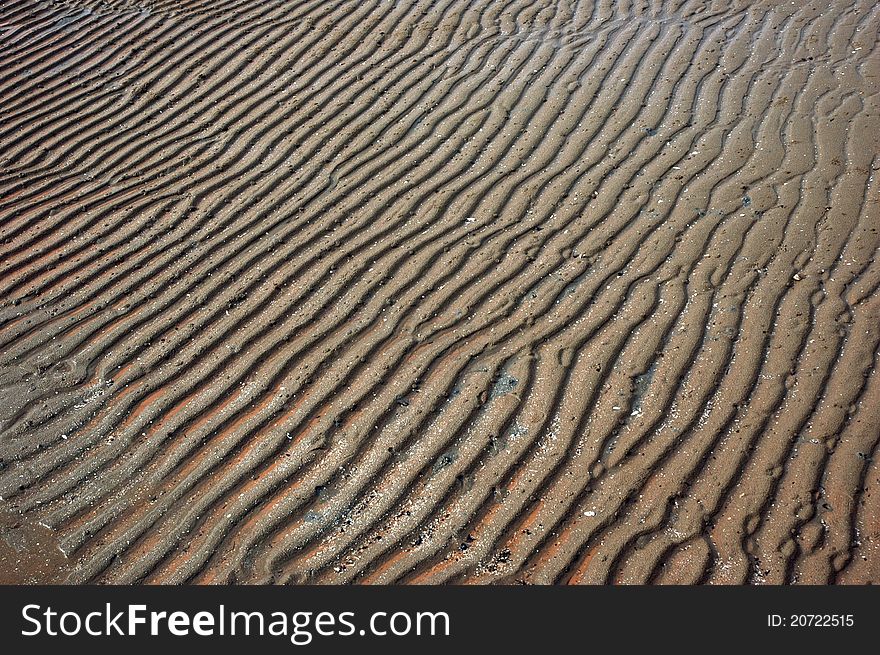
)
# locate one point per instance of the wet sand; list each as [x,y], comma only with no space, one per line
[439,291]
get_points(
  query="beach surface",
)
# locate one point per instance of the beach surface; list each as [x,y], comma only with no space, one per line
[439,291]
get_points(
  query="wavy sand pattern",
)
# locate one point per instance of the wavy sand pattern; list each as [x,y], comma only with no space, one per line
[453,291]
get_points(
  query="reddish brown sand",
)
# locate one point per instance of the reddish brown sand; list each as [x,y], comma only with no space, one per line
[421,291]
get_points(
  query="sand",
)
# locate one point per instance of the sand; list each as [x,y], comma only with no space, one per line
[453,291]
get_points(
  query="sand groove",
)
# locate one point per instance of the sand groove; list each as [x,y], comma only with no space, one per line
[442,291]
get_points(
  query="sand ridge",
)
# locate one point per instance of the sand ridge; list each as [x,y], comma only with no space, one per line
[430,292]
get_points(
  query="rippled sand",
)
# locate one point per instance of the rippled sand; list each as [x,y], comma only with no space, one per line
[427,292]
